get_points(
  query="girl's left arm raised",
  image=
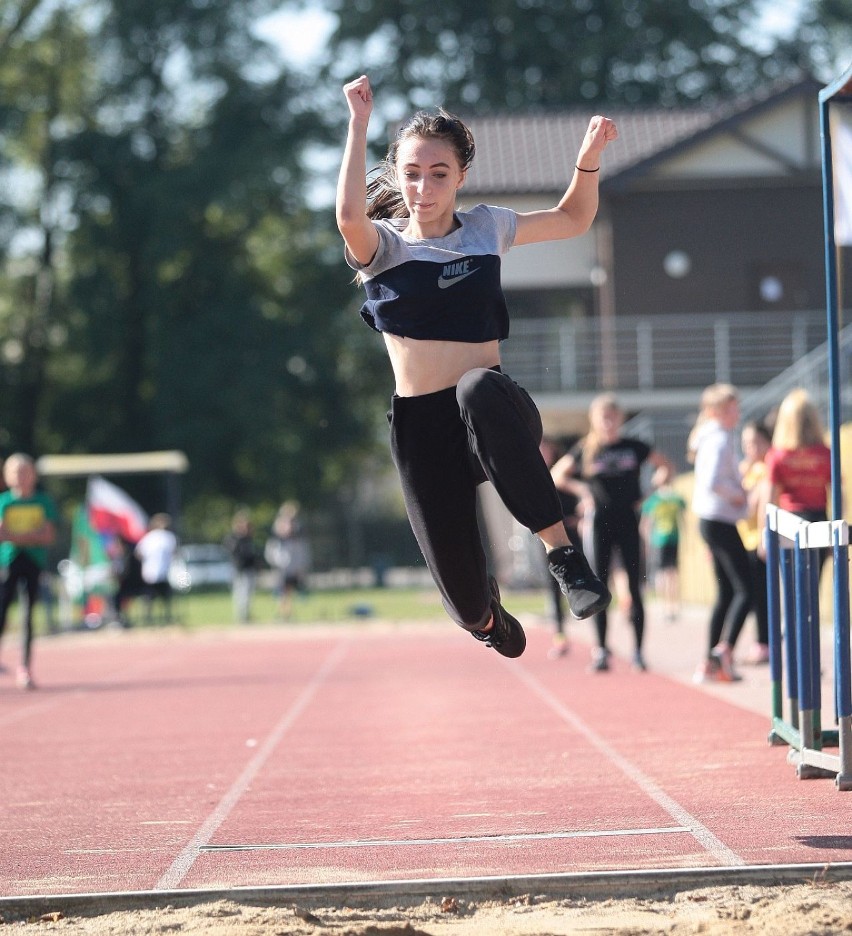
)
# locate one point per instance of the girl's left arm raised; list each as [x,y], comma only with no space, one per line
[579,205]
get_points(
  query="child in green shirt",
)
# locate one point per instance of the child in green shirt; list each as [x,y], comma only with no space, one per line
[27,528]
[661,515]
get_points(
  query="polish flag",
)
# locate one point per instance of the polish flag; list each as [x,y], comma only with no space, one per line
[111,510]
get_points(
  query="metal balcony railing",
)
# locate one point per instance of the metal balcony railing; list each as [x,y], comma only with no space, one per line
[659,352]
[811,374]
[668,430]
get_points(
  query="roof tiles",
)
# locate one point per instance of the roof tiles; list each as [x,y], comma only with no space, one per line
[535,153]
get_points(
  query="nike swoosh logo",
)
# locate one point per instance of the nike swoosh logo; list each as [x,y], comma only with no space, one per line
[445,282]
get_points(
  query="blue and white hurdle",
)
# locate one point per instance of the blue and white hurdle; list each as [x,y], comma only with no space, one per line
[793,569]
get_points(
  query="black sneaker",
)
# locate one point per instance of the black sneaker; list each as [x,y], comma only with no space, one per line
[585,592]
[506,635]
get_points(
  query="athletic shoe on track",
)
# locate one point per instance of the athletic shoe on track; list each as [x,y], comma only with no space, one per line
[702,673]
[600,660]
[506,635]
[558,648]
[639,663]
[724,666]
[712,670]
[24,678]
[585,592]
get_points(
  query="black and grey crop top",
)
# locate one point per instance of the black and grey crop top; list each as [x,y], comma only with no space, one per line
[442,288]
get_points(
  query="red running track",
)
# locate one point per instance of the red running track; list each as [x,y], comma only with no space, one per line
[160,760]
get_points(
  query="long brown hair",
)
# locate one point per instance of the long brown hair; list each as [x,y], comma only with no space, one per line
[384,199]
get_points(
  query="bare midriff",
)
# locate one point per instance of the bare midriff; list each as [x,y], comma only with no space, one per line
[428,366]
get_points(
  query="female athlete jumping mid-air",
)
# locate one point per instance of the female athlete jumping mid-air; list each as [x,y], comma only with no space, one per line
[432,280]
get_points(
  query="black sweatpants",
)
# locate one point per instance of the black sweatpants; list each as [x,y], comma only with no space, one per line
[734,581]
[23,568]
[607,531]
[444,445]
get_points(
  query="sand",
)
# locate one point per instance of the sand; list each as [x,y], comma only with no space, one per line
[813,907]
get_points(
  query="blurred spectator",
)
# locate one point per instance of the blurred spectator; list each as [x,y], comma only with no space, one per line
[798,464]
[719,502]
[604,470]
[662,511]
[288,552]
[155,551]
[127,574]
[246,560]
[755,441]
[27,527]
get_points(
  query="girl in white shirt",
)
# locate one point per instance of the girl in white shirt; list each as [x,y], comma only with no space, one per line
[719,501]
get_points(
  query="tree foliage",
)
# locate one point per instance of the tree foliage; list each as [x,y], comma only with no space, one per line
[173,291]
[822,43]
[40,92]
[519,54]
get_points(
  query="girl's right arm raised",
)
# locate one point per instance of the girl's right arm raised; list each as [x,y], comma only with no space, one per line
[357,229]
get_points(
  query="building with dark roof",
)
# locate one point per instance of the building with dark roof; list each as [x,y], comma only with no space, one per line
[705,263]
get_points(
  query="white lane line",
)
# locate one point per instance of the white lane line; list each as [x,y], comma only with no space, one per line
[700,832]
[459,840]
[30,711]
[185,860]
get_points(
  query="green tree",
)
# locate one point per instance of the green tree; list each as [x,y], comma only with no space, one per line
[42,73]
[522,54]
[203,306]
[822,42]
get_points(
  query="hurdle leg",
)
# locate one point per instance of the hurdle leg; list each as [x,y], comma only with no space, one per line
[810,761]
[814,658]
[809,715]
[790,631]
[801,639]
[842,661]
[776,667]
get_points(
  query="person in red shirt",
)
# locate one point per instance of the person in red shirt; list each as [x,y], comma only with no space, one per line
[798,465]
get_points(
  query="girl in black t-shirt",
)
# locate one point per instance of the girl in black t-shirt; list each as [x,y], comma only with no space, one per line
[603,469]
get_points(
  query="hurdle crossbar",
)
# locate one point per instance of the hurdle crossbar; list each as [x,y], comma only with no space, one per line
[792,583]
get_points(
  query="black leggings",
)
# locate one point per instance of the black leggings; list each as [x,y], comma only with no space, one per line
[619,529]
[733,580]
[22,569]
[444,445]
[761,610]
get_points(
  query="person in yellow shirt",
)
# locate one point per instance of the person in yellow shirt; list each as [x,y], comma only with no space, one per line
[755,441]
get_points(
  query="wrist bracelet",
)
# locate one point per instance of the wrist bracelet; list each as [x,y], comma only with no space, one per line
[588,170]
